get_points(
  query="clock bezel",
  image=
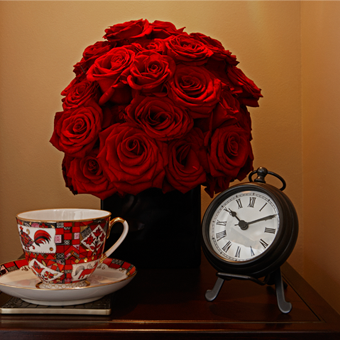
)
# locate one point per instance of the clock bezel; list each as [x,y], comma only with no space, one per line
[276,253]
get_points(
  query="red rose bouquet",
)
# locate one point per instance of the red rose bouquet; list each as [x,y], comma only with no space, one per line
[154,107]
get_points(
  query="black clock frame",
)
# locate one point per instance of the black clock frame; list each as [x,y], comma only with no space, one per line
[276,254]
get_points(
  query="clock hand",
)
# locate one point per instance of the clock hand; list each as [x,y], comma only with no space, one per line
[262,219]
[233,214]
[245,225]
[242,224]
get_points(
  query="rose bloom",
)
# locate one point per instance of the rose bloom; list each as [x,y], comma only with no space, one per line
[81,76]
[216,47]
[185,169]
[159,117]
[227,111]
[221,183]
[131,159]
[149,71]
[217,184]
[246,89]
[110,70]
[79,93]
[85,176]
[97,49]
[244,120]
[113,114]
[195,88]
[76,130]
[90,54]
[163,29]
[229,151]
[185,49]
[129,30]
[80,70]
[156,45]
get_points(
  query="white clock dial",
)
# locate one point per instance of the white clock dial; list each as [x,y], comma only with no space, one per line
[244,226]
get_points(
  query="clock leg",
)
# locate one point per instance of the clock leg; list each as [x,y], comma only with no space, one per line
[284,306]
[211,294]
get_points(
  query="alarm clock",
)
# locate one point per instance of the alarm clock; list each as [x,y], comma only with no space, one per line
[250,229]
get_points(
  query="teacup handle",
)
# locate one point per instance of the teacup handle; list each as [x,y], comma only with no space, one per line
[121,238]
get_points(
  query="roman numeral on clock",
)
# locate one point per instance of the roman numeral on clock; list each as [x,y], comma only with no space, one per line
[269,230]
[227,246]
[221,234]
[263,243]
[239,203]
[251,251]
[263,206]
[224,223]
[251,202]
[238,252]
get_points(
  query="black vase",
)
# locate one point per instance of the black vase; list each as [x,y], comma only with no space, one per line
[164,229]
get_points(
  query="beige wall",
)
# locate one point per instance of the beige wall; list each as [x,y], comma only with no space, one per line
[321,141]
[40,41]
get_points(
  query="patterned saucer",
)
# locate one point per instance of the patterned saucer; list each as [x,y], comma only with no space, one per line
[17,279]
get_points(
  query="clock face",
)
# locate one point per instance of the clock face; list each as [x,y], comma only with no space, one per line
[244,226]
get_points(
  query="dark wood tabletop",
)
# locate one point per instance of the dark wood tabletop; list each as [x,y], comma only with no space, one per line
[170,304]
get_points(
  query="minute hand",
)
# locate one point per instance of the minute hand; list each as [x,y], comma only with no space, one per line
[262,219]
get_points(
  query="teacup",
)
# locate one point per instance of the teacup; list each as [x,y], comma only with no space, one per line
[64,246]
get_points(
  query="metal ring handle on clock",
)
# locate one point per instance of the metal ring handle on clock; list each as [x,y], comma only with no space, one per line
[262,173]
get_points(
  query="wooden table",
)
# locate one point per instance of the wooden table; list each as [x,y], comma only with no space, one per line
[170,304]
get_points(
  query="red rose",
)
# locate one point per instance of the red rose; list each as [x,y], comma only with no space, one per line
[163,29]
[244,120]
[149,71]
[245,88]
[227,111]
[216,47]
[160,118]
[215,185]
[85,176]
[90,54]
[113,114]
[110,71]
[229,151]
[80,70]
[156,45]
[76,130]
[218,184]
[97,49]
[73,82]
[195,88]
[247,167]
[185,170]
[129,30]
[218,69]
[131,159]
[196,138]
[185,49]
[79,93]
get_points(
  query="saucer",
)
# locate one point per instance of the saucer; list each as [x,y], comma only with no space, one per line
[17,280]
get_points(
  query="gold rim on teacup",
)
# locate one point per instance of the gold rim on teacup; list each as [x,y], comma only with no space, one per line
[61,220]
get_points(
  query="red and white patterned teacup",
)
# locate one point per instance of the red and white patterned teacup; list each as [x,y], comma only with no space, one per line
[64,246]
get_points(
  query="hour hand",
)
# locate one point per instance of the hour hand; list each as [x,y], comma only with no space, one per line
[233,214]
[262,219]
